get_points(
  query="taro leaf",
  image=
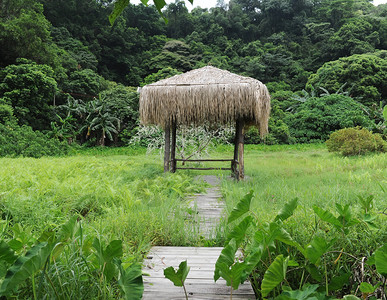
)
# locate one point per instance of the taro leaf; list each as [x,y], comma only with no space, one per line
[317,247]
[327,216]
[367,288]
[287,211]
[314,272]
[68,230]
[239,231]
[283,236]
[242,207]
[305,293]
[119,6]
[130,281]
[381,260]
[114,249]
[232,275]
[177,277]
[337,283]
[350,297]
[251,261]
[25,266]
[6,253]
[274,275]
[105,257]
[227,257]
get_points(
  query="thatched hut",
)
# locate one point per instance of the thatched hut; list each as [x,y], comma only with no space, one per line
[205,95]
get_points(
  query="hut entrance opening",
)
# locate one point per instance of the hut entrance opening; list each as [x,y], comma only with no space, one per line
[205,95]
[190,149]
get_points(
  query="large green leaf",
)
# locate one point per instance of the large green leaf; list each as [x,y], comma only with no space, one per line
[25,266]
[130,281]
[232,275]
[381,260]
[177,277]
[251,261]
[305,293]
[6,253]
[239,231]
[287,211]
[242,207]
[327,216]
[119,6]
[274,275]
[68,230]
[365,287]
[317,247]
[337,282]
[385,113]
[227,257]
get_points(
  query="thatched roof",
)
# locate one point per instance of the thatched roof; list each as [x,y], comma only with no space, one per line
[205,95]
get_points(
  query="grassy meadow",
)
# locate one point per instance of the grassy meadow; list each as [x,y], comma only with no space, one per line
[123,194]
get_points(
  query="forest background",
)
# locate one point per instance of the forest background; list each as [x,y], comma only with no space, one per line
[67,75]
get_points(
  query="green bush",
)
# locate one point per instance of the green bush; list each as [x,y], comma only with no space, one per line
[318,117]
[6,113]
[355,141]
[23,141]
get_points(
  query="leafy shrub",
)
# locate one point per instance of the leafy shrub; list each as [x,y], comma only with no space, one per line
[6,113]
[355,141]
[318,117]
[23,141]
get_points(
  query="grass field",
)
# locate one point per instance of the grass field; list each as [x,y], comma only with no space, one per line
[123,194]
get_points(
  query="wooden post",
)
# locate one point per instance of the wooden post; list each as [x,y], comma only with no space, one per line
[238,164]
[167,147]
[173,148]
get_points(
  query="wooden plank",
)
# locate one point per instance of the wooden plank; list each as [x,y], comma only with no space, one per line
[199,282]
[200,160]
[205,169]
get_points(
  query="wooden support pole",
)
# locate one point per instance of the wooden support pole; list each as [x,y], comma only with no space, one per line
[173,148]
[238,163]
[167,147]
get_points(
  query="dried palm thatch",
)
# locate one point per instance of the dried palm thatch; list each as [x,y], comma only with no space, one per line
[205,95]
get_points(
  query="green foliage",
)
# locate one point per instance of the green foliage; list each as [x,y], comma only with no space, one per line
[318,117]
[364,73]
[161,74]
[355,141]
[6,113]
[23,141]
[381,260]
[274,275]
[177,277]
[30,89]
[130,281]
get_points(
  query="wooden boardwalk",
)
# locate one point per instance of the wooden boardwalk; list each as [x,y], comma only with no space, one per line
[200,282]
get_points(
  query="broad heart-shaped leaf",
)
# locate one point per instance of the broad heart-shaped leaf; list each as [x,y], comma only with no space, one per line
[317,247]
[119,6]
[239,231]
[68,230]
[327,216]
[302,294]
[232,275]
[365,287]
[251,261]
[381,260]
[242,207]
[113,250]
[6,253]
[287,211]
[337,282]
[274,275]
[227,257]
[130,281]
[25,266]
[280,234]
[177,277]
[105,256]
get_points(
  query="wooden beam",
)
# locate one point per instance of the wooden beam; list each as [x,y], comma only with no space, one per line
[167,148]
[238,164]
[173,148]
[203,168]
[200,160]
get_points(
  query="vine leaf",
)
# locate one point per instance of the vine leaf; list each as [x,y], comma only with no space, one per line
[242,207]
[274,275]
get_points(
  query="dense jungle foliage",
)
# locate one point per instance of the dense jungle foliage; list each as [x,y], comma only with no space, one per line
[66,72]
